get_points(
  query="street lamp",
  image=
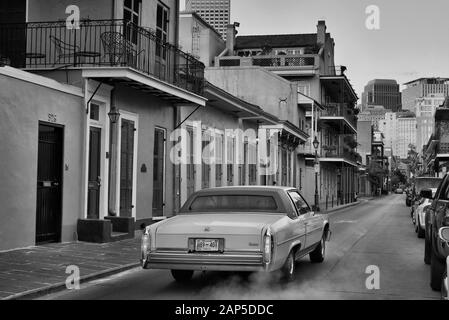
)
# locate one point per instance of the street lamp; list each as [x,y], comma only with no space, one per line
[316,144]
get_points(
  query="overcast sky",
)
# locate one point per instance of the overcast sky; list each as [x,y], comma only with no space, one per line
[412,42]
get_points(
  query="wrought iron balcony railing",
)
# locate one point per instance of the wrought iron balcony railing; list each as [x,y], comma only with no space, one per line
[99,43]
[340,110]
[309,61]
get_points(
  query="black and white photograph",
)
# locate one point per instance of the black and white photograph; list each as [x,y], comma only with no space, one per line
[224,155]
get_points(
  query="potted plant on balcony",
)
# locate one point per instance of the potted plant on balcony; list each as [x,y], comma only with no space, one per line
[329,150]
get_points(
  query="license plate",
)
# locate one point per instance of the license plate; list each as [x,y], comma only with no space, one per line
[207,245]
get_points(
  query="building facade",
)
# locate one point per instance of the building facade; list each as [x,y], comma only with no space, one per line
[199,38]
[215,12]
[106,98]
[399,130]
[425,117]
[383,92]
[420,88]
[372,114]
[307,60]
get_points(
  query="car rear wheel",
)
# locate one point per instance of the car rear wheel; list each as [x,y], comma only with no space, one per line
[444,287]
[436,271]
[182,275]
[317,255]
[288,269]
[421,232]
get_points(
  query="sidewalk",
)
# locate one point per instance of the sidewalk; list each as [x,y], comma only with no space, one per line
[25,273]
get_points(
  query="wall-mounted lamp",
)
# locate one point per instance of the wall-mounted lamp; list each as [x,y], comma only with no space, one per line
[114,115]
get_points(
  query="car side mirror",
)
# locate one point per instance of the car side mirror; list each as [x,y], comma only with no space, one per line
[444,234]
[426,194]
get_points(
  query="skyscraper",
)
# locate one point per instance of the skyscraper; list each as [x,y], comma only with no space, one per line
[399,130]
[382,92]
[421,88]
[214,12]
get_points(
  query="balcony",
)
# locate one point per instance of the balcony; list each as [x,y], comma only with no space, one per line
[283,64]
[99,44]
[339,112]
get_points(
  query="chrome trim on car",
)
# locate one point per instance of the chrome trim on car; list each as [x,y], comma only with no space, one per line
[228,258]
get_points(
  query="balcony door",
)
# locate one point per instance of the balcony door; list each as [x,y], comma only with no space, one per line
[13,40]
[162,21]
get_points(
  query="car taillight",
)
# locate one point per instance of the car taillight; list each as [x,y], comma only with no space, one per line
[268,247]
[146,242]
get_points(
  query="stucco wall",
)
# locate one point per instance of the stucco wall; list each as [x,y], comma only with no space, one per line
[22,106]
[258,86]
[54,10]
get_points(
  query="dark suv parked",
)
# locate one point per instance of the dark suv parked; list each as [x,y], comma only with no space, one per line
[437,250]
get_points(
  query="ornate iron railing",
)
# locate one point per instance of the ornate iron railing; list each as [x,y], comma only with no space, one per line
[340,110]
[99,43]
[271,61]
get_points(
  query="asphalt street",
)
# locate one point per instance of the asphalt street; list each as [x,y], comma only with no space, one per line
[375,235]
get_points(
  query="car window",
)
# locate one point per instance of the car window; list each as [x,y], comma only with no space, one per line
[234,203]
[300,204]
[443,190]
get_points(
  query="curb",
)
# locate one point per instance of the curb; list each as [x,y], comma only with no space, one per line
[334,210]
[34,293]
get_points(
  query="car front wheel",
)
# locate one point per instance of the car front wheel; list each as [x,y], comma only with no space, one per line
[436,271]
[427,249]
[317,255]
[182,275]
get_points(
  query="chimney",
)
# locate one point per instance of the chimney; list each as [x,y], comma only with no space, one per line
[321,32]
[231,33]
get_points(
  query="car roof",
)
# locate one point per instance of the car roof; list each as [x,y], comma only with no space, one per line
[246,189]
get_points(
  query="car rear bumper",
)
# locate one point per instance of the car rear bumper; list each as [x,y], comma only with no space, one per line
[231,261]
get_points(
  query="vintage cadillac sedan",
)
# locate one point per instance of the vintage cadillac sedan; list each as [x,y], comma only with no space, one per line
[237,229]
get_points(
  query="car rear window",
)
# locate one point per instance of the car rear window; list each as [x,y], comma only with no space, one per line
[234,203]
[427,183]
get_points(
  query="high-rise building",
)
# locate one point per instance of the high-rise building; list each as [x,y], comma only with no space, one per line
[425,117]
[382,92]
[373,114]
[420,88]
[214,12]
[399,130]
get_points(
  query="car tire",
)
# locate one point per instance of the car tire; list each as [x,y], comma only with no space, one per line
[444,288]
[437,268]
[420,231]
[182,275]
[317,255]
[289,268]
[427,248]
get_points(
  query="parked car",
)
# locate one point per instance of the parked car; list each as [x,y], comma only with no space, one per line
[237,229]
[399,191]
[424,203]
[437,249]
[421,183]
[409,197]
[444,236]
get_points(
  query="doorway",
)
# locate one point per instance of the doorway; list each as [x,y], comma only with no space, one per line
[94,181]
[49,184]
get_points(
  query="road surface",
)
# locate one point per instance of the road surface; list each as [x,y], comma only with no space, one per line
[376,235]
